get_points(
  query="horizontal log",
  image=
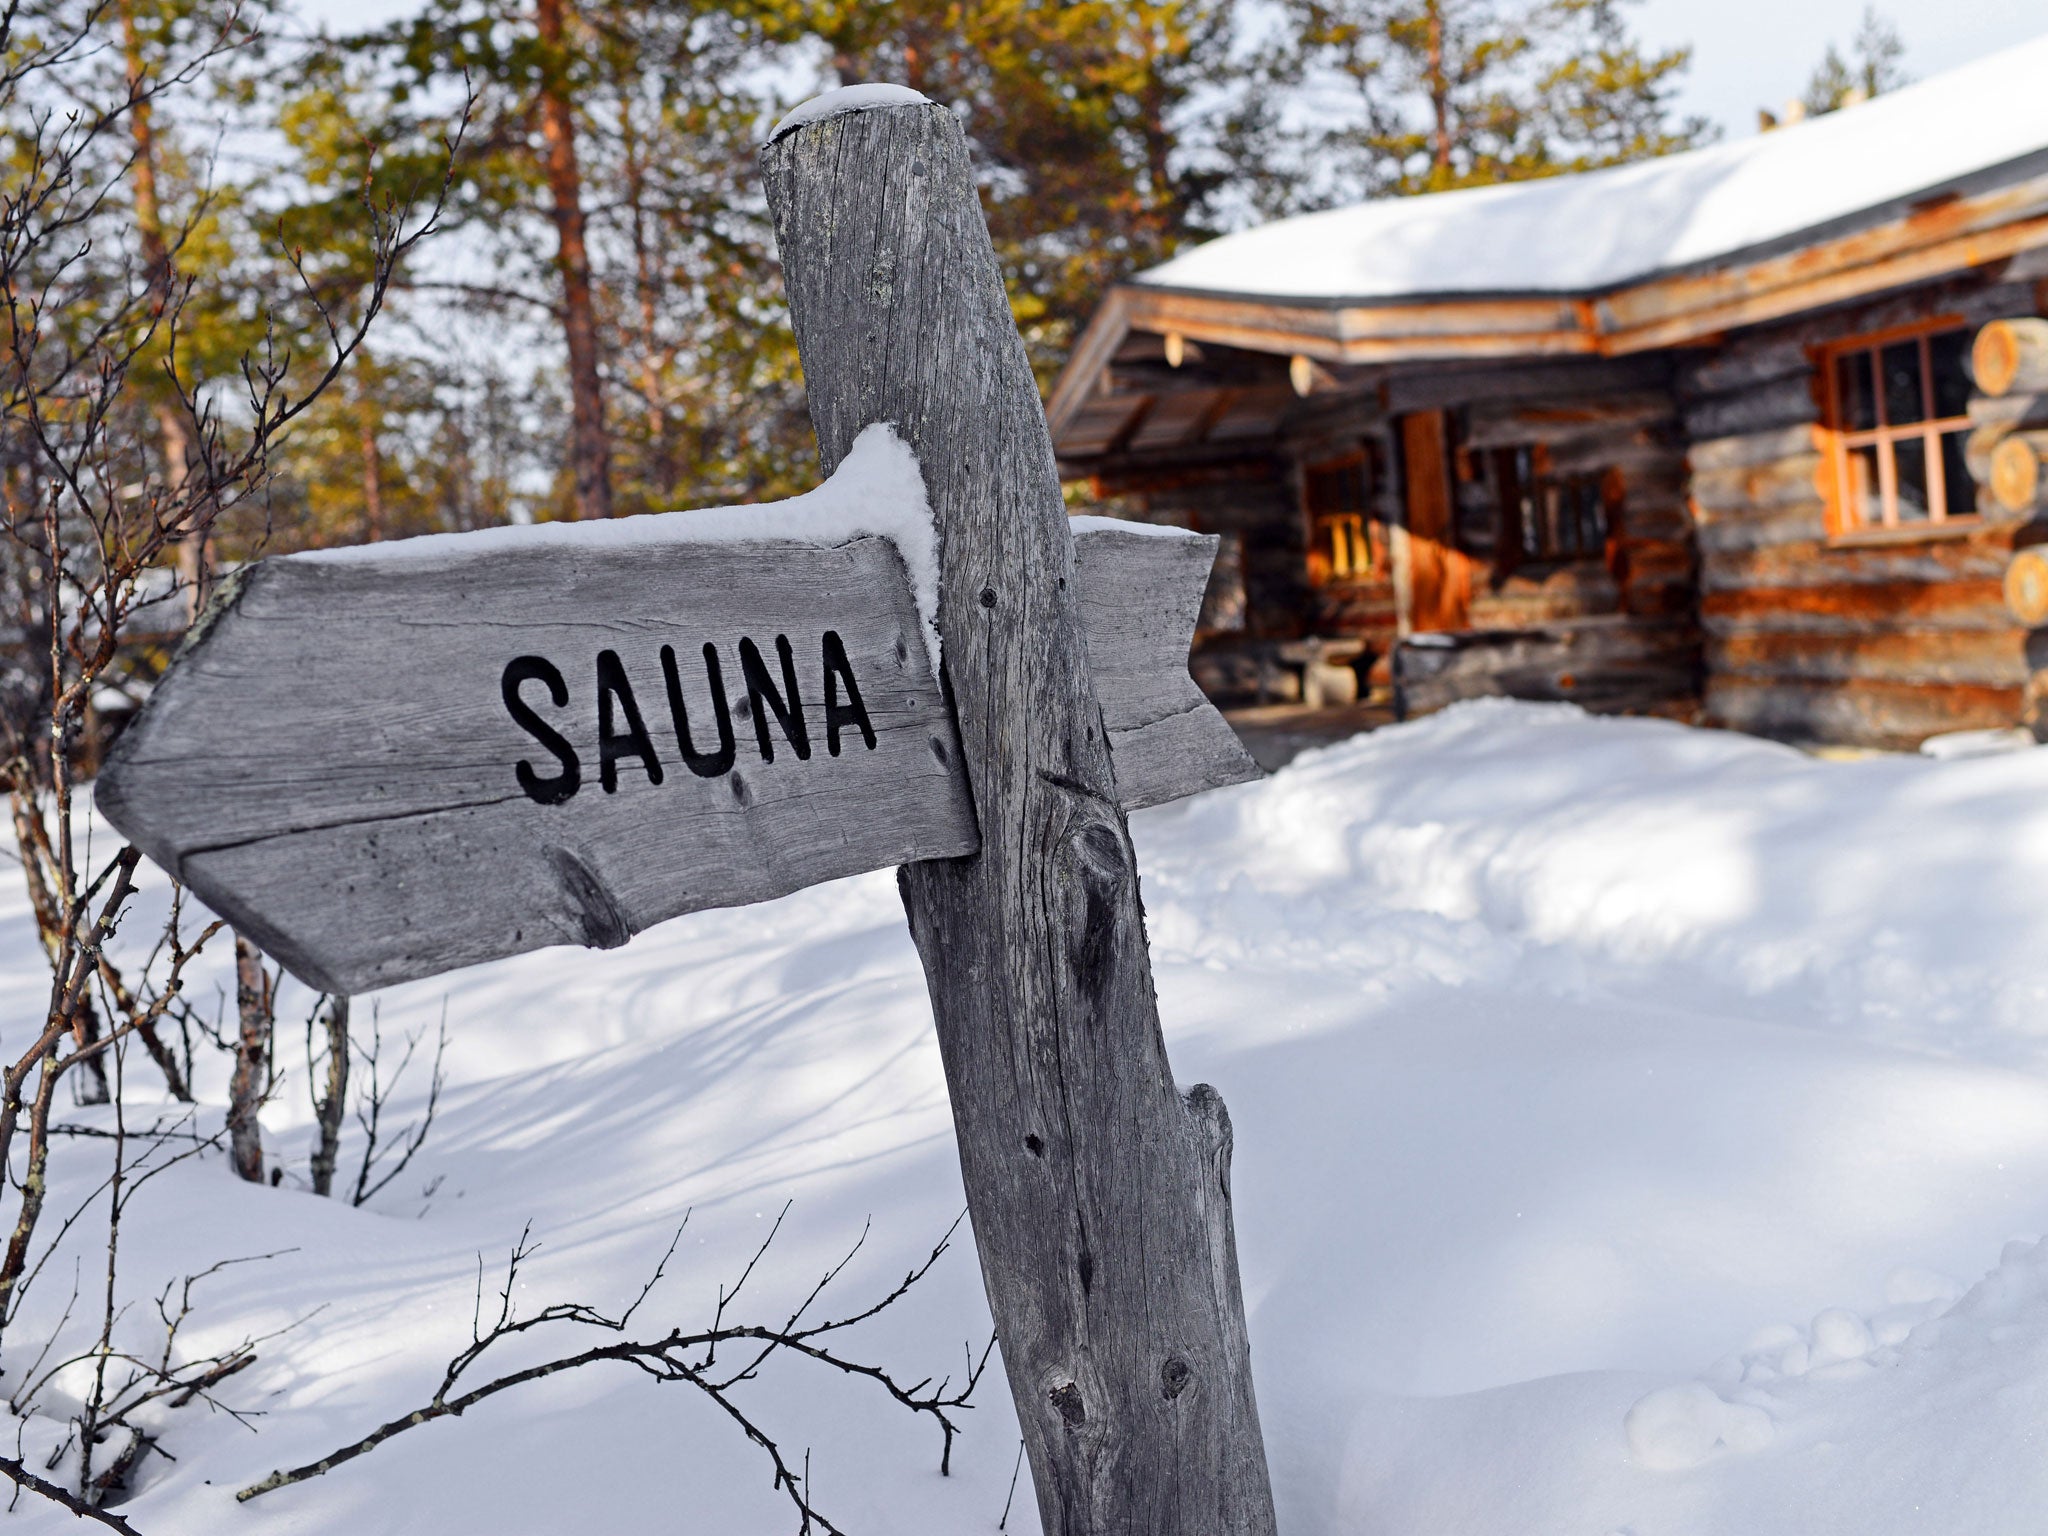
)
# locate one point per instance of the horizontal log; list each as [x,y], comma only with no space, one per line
[1604,639]
[1746,448]
[1858,713]
[1746,364]
[2016,410]
[1770,351]
[2011,355]
[1438,386]
[1857,607]
[1983,554]
[1788,402]
[1722,533]
[1973,657]
[1769,486]
[1609,664]
[1566,421]
[1645,463]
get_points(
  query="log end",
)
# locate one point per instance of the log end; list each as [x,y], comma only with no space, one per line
[2015,474]
[2008,353]
[2026,587]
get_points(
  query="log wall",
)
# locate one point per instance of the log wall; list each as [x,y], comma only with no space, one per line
[1811,639]
[1613,632]
[1254,500]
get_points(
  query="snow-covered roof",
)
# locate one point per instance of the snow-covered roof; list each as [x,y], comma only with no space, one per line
[1598,230]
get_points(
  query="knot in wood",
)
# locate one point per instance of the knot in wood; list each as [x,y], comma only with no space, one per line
[596,913]
[1067,1399]
[1174,1376]
[882,280]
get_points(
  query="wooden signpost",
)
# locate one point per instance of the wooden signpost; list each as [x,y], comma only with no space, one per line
[387,762]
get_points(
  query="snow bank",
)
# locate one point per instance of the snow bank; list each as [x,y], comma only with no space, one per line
[1599,229]
[1620,1111]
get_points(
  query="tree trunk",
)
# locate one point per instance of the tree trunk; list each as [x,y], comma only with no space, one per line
[1100,1194]
[250,1084]
[331,1096]
[173,431]
[590,446]
[1439,101]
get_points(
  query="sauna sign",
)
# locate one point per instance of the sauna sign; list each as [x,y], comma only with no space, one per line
[390,761]
[623,736]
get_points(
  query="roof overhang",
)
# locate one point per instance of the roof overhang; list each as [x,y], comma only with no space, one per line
[1942,234]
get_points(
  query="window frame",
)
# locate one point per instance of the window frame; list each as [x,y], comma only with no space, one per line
[1520,489]
[1845,524]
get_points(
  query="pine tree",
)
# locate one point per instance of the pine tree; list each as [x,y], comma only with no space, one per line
[1102,129]
[608,197]
[1872,68]
[1407,96]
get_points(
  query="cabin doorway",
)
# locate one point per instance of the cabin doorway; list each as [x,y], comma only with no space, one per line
[1439,577]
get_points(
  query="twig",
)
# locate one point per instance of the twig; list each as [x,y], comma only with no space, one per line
[56,1493]
[678,1356]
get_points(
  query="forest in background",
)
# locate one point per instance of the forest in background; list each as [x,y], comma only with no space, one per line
[596,328]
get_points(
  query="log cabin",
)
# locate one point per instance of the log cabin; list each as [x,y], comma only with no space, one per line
[1751,435]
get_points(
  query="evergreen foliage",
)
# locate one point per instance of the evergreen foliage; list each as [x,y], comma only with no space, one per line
[1408,96]
[600,329]
[1874,66]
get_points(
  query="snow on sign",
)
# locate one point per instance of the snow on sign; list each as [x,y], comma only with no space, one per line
[389,761]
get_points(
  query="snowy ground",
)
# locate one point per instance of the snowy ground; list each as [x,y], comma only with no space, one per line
[1640,1132]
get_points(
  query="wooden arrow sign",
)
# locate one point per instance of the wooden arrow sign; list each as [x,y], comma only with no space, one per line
[393,760]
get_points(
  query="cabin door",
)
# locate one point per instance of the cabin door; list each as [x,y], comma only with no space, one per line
[1439,577]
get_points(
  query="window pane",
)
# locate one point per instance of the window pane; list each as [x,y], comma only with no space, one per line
[1591,531]
[1948,356]
[1961,490]
[1860,499]
[1910,457]
[1853,397]
[1900,365]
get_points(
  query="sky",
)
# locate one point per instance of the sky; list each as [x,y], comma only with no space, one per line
[1749,54]
[1746,53]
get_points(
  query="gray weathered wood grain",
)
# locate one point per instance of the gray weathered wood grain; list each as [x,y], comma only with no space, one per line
[1140,595]
[331,764]
[1100,1195]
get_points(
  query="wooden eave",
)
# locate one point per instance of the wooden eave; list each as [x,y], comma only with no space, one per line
[1940,234]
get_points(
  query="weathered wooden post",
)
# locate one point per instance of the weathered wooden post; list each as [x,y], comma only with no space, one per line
[1100,1194]
[387,762]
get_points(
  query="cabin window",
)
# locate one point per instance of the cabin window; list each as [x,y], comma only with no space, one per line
[1337,494]
[1545,515]
[1897,412]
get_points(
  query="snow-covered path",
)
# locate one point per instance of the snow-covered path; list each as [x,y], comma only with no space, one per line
[1620,1109]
